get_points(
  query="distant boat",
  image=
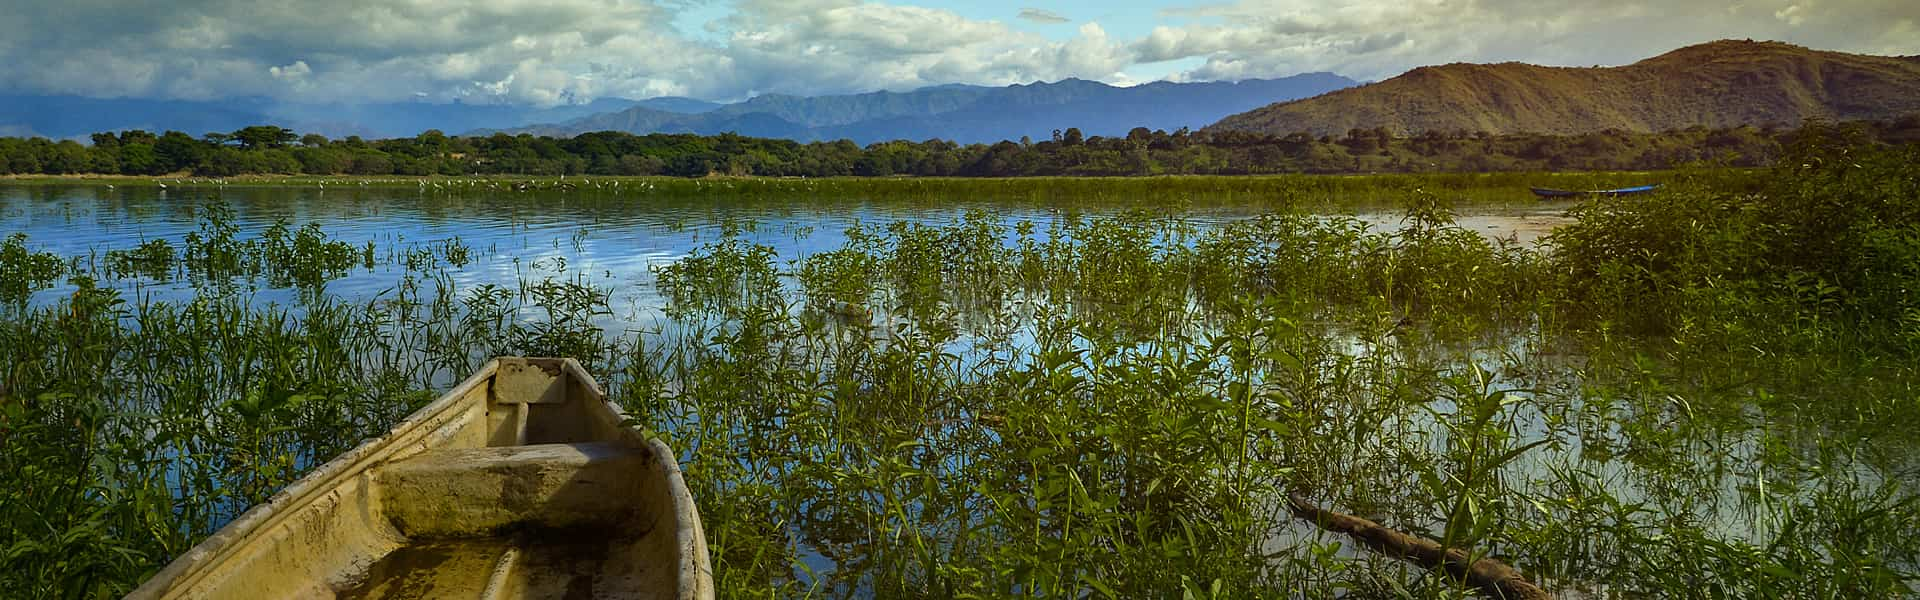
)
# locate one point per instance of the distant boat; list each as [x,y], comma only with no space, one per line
[1626,191]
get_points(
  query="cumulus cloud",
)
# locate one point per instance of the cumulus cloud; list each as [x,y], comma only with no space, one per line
[293,72]
[560,51]
[1791,15]
[340,50]
[523,51]
[821,46]
[1039,15]
[1379,39]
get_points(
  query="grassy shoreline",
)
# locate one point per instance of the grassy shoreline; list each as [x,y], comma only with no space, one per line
[272,179]
[1269,190]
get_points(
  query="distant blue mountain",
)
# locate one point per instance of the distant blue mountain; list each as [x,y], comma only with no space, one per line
[678,104]
[958,112]
[405,119]
[75,116]
[963,113]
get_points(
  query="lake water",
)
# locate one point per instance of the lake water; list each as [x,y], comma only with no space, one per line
[617,242]
[612,242]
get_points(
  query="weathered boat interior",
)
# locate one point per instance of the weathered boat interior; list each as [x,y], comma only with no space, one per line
[521,482]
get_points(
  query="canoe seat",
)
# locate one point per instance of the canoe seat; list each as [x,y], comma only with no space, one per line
[521,482]
[551,521]
[483,492]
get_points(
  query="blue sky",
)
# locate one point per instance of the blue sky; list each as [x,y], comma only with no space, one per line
[546,52]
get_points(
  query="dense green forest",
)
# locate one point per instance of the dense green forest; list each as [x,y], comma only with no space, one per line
[275,150]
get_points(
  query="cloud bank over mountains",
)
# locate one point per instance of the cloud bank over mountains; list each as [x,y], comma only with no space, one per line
[551,52]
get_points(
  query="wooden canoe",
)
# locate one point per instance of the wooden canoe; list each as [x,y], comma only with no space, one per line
[521,482]
[1545,193]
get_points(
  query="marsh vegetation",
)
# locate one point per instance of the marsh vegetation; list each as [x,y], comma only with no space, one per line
[1707,392]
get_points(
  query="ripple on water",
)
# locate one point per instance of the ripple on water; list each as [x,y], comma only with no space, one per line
[512,236]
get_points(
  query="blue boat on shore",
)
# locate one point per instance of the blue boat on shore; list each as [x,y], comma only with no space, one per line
[1550,193]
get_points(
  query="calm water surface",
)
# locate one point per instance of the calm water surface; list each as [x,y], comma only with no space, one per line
[612,242]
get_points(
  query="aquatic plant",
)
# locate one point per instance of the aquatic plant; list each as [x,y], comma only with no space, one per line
[1110,405]
[23,272]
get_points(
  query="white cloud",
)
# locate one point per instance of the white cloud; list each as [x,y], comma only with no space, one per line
[1043,16]
[1791,15]
[293,72]
[824,46]
[524,51]
[555,51]
[1381,38]
[504,50]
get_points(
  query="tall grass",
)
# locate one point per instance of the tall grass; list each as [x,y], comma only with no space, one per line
[1082,407]
[1262,190]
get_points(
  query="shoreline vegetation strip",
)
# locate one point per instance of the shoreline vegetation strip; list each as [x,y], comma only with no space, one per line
[267,149]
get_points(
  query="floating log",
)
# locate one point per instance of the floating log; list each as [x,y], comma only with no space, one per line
[1490,576]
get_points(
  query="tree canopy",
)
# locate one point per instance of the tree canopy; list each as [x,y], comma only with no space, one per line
[266,149]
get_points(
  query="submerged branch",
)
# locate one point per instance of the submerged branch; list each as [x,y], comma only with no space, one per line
[1491,576]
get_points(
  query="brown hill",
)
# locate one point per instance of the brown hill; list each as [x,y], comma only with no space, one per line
[1718,84]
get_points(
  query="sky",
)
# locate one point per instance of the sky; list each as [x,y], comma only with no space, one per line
[548,52]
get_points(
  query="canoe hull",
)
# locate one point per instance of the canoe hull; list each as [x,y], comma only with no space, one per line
[1550,193]
[502,487]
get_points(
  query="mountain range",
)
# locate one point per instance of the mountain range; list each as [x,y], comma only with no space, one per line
[1718,84]
[962,113]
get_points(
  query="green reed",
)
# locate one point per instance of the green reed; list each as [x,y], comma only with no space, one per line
[1701,394]
[25,271]
[1261,190]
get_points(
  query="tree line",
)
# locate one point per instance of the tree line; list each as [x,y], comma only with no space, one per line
[267,149]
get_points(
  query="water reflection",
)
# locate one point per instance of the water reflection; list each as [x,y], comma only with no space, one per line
[612,241]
